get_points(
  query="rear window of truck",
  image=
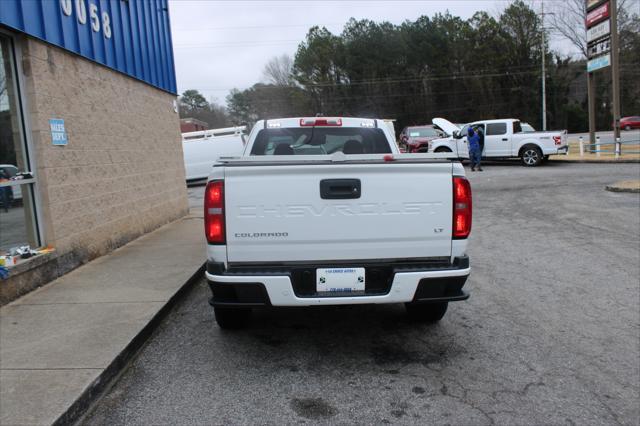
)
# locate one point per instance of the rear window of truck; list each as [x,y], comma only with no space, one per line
[320,141]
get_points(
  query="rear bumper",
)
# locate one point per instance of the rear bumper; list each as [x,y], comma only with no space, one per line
[561,150]
[289,286]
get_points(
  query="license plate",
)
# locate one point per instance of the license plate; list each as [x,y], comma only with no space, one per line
[339,280]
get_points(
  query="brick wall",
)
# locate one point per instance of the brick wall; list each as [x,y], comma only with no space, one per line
[121,174]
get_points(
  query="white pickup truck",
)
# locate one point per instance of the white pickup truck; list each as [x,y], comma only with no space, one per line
[327,211]
[502,139]
[202,149]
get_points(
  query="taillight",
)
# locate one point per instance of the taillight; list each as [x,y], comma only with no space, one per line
[332,122]
[557,140]
[461,208]
[214,212]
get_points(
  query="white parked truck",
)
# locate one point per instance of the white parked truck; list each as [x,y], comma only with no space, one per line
[502,139]
[201,149]
[326,211]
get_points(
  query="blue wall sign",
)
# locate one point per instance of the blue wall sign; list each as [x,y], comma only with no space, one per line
[58,134]
[599,62]
[131,36]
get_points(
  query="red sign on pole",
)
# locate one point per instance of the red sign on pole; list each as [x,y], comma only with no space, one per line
[592,3]
[598,14]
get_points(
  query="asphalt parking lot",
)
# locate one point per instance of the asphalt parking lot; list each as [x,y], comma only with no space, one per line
[550,335]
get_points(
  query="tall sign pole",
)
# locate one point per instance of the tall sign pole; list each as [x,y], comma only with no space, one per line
[602,49]
[615,70]
[591,94]
[544,76]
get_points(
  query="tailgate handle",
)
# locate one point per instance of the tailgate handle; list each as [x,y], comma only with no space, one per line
[340,189]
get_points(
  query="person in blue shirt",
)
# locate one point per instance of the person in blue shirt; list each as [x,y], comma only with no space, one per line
[475,152]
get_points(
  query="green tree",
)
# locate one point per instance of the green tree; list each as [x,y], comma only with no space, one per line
[318,68]
[192,104]
[521,33]
[265,101]
[240,108]
[630,66]
[192,101]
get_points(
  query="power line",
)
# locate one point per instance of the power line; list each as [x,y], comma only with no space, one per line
[234,44]
[426,95]
[396,80]
[631,69]
[252,27]
[494,92]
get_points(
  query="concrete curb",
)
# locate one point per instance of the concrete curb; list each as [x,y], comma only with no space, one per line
[80,407]
[614,188]
[625,161]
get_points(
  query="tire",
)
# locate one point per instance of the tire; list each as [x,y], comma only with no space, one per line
[531,156]
[426,312]
[627,128]
[232,318]
[442,149]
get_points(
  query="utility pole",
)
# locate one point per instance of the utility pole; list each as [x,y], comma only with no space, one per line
[544,75]
[591,93]
[615,70]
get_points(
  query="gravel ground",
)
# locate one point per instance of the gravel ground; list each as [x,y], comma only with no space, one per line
[550,335]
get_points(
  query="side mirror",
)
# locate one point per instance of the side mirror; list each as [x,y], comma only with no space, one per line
[456,134]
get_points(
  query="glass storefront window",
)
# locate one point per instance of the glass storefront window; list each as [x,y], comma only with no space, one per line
[17,207]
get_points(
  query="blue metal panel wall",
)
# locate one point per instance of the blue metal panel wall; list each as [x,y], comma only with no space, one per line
[131,36]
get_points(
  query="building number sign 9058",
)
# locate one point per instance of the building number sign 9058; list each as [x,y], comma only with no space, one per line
[82,12]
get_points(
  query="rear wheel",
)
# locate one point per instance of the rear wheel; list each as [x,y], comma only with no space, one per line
[442,149]
[426,312]
[232,318]
[531,156]
[627,127]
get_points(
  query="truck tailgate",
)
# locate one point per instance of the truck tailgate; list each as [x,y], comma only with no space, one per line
[276,213]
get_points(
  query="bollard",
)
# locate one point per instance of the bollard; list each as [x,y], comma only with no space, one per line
[618,148]
[597,146]
[581,147]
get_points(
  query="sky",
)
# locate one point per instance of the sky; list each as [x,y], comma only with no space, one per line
[221,45]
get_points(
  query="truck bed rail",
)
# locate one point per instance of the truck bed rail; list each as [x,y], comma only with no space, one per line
[338,158]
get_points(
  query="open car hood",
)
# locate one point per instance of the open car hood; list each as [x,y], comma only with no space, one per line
[445,125]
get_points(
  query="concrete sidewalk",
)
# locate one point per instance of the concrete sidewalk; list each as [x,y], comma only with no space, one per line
[62,344]
[592,158]
[630,152]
